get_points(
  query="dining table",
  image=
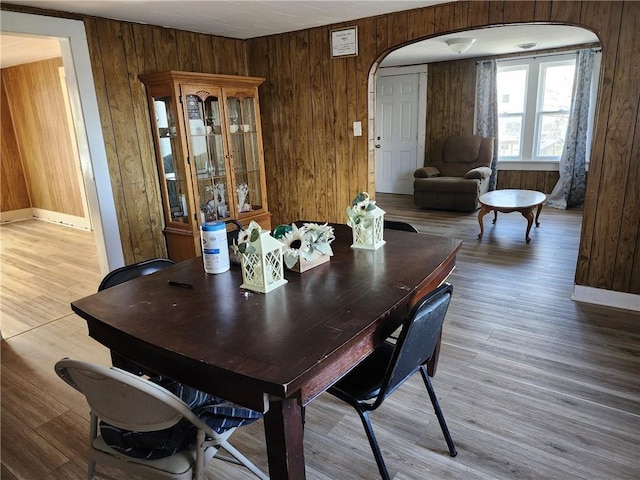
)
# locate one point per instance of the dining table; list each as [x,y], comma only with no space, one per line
[273,352]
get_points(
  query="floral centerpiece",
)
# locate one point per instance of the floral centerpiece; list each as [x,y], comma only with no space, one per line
[305,247]
[261,259]
[366,220]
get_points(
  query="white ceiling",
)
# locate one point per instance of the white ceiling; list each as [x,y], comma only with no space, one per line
[251,18]
[489,42]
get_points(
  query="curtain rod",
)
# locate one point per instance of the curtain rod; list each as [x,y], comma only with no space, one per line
[540,55]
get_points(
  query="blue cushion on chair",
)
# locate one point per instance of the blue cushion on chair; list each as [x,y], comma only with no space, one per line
[216,412]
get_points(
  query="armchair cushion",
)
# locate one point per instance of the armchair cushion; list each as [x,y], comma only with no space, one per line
[462,149]
[478,173]
[426,172]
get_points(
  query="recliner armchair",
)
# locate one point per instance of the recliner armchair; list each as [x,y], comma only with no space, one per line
[455,174]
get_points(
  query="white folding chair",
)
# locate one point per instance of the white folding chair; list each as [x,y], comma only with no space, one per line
[134,403]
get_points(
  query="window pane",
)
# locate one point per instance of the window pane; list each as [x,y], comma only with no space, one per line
[558,87]
[509,136]
[553,129]
[512,85]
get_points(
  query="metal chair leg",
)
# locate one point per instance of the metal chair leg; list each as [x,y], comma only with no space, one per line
[93,432]
[364,416]
[436,407]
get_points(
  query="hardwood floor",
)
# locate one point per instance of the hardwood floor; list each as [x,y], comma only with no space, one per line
[533,385]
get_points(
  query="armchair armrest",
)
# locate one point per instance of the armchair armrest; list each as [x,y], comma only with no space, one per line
[426,172]
[479,173]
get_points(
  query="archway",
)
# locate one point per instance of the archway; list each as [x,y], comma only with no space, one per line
[500,41]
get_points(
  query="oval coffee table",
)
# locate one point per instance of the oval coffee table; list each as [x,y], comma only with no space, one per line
[523,201]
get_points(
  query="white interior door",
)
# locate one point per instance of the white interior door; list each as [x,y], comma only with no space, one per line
[396,141]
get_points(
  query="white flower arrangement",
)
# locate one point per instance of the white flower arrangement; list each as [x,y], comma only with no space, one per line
[360,209]
[306,242]
[245,238]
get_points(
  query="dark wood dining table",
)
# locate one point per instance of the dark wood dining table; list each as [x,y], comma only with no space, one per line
[271,352]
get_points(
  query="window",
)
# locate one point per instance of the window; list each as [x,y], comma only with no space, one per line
[534,97]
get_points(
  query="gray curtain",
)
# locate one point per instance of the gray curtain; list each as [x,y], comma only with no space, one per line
[570,189]
[487,110]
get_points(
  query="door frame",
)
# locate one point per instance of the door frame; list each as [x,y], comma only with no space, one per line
[421,70]
[86,117]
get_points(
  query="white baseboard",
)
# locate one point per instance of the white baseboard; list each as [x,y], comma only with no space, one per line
[47,215]
[63,218]
[609,298]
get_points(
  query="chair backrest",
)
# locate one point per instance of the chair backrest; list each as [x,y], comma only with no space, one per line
[404,226]
[124,400]
[135,270]
[233,234]
[455,156]
[418,339]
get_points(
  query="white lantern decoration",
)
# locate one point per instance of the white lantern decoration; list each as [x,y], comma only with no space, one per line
[366,220]
[368,233]
[263,269]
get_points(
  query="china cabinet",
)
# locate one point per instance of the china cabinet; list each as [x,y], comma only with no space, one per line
[208,142]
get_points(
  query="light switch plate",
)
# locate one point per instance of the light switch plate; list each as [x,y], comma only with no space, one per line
[357,129]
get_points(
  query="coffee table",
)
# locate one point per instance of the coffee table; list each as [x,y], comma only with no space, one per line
[511,200]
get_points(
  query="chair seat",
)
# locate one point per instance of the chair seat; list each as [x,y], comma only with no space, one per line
[365,380]
[180,463]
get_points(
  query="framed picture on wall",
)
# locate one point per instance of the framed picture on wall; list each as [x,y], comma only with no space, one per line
[344,42]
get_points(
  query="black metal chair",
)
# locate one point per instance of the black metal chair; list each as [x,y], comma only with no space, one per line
[382,372]
[232,237]
[404,226]
[124,274]
[135,270]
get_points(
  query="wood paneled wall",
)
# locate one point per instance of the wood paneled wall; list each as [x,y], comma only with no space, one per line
[119,53]
[37,105]
[542,181]
[13,186]
[315,165]
[451,92]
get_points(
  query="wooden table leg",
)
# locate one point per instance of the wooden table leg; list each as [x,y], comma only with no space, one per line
[284,437]
[483,211]
[528,214]
[538,215]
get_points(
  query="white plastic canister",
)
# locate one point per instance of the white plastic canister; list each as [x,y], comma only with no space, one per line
[215,248]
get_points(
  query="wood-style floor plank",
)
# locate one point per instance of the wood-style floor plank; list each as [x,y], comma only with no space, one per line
[533,385]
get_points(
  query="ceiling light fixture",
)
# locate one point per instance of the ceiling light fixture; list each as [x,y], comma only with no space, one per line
[460,45]
[527,46]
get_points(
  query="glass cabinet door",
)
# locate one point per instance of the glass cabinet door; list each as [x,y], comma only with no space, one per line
[206,145]
[173,174]
[241,113]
